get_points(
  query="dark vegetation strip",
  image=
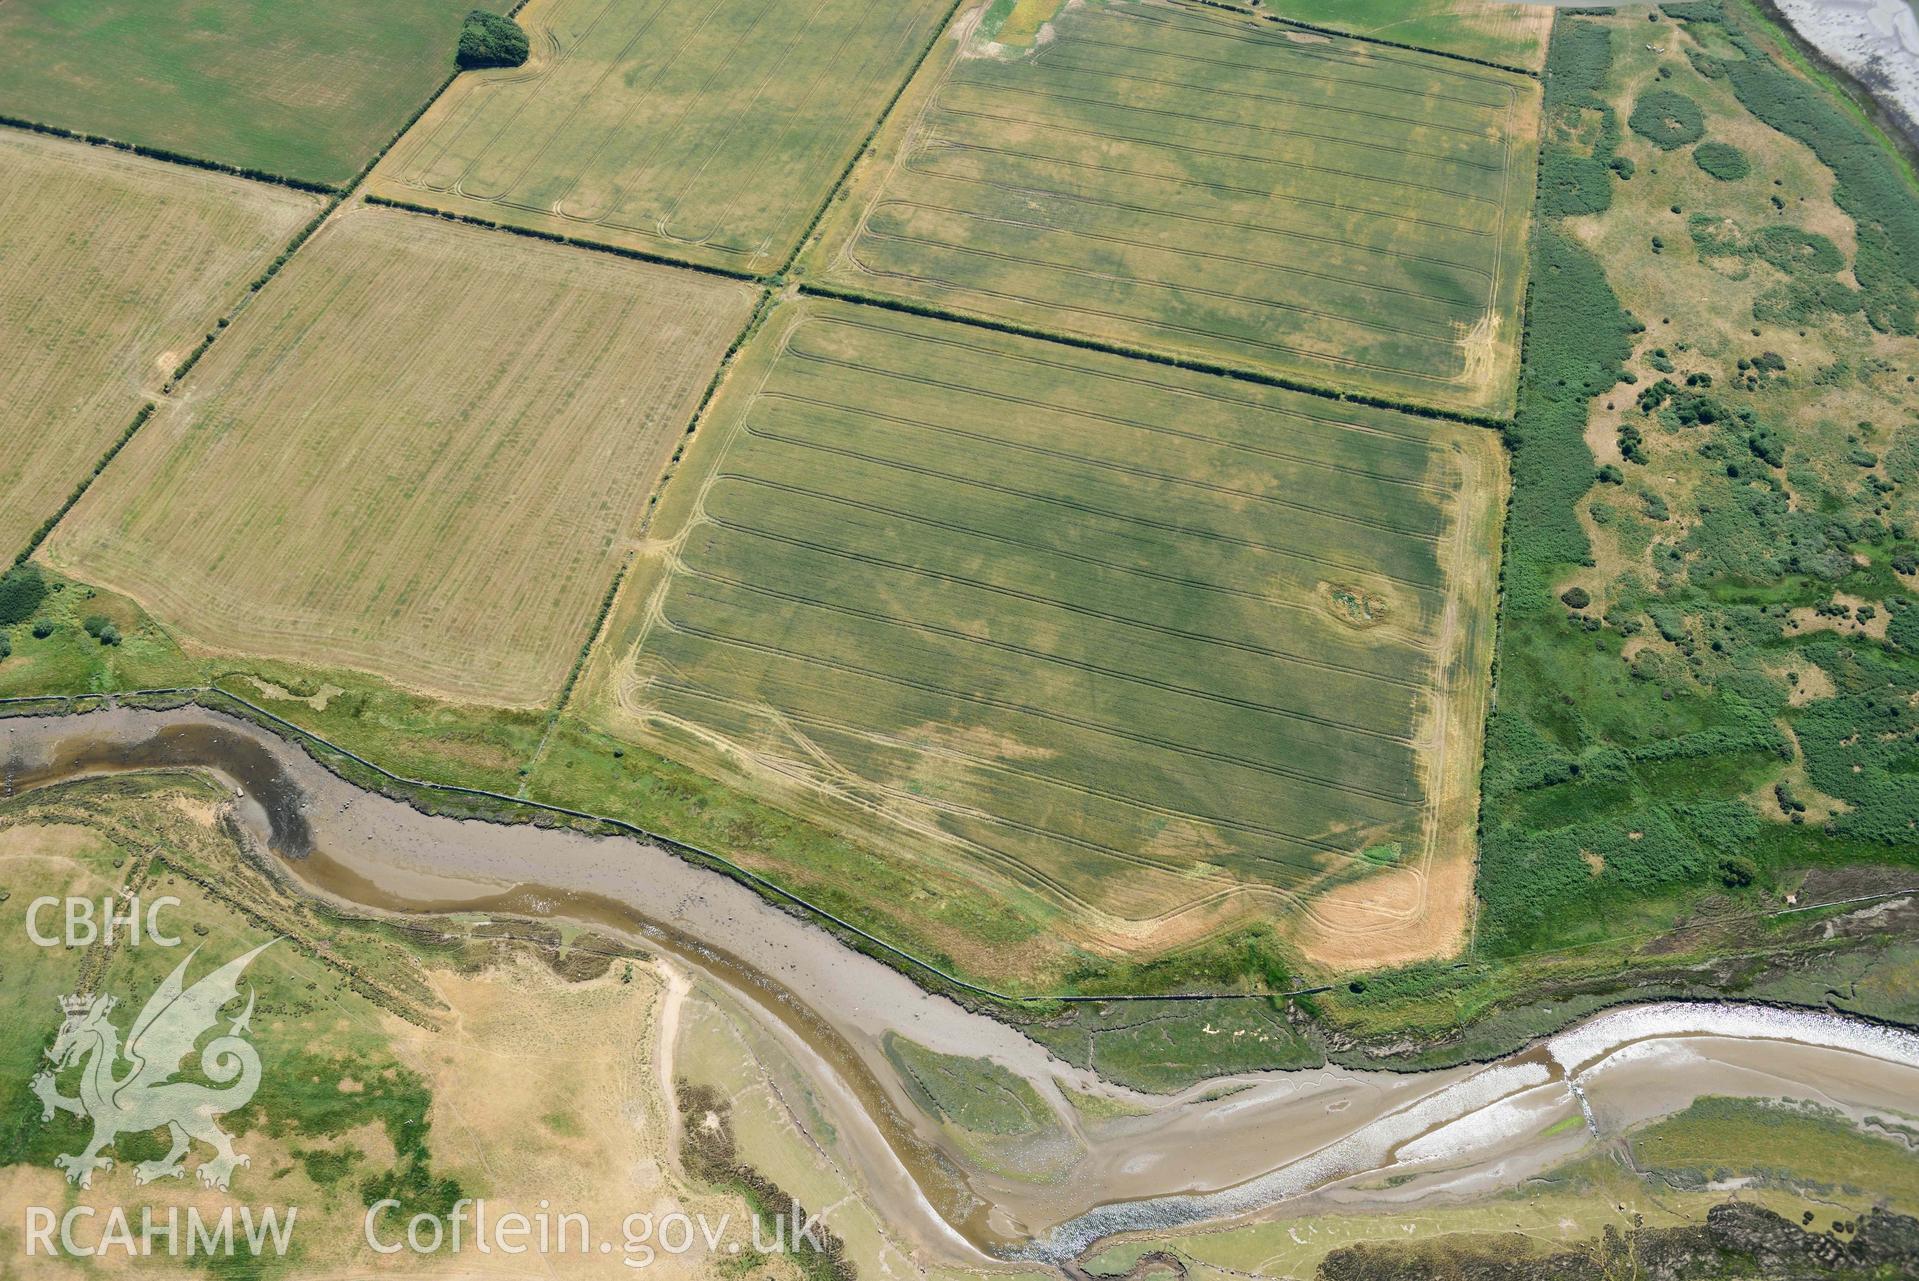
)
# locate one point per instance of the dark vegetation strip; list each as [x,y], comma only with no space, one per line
[79,491]
[1153,357]
[886,114]
[576,242]
[1354,35]
[171,157]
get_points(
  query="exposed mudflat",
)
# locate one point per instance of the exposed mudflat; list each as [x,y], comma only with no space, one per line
[1877,41]
[1229,1148]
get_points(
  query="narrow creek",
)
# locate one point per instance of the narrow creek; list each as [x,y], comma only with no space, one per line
[1229,1148]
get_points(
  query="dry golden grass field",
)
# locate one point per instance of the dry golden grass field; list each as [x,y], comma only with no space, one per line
[1133,651]
[419,453]
[1213,186]
[114,266]
[709,130]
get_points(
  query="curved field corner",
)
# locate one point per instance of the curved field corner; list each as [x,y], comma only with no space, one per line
[305,89]
[116,267]
[1211,186]
[705,130]
[418,453]
[1129,652]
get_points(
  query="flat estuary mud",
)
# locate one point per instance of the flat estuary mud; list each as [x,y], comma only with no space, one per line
[1231,1148]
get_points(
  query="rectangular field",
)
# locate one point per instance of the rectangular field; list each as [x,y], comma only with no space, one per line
[1137,650]
[1492,30]
[708,130]
[1209,185]
[420,453]
[308,89]
[111,269]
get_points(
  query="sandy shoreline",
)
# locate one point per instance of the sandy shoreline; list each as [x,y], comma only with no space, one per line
[1876,41]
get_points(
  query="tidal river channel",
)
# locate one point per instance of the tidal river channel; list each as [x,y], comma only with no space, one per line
[1230,1148]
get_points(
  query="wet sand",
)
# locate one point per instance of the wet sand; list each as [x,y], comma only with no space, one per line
[1191,1157]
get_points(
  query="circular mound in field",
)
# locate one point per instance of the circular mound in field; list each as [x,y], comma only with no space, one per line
[1667,120]
[1722,160]
[1354,606]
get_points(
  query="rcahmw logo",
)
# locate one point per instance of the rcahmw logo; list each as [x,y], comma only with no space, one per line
[143,1097]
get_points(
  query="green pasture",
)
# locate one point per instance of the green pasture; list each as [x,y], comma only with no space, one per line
[302,90]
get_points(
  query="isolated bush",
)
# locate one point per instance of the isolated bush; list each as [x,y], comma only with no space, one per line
[490,40]
[1722,160]
[102,630]
[1666,119]
[1576,597]
[21,591]
[6,647]
[42,628]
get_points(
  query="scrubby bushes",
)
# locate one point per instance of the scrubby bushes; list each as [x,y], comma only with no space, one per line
[1666,119]
[21,591]
[490,40]
[1722,160]
[1869,186]
[1575,176]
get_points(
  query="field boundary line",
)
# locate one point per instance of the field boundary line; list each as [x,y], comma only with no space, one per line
[598,631]
[79,491]
[1316,29]
[572,242]
[181,159]
[940,28]
[1239,373]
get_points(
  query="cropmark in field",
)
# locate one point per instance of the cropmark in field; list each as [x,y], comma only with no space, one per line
[710,132]
[419,453]
[1212,186]
[112,267]
[1130,650]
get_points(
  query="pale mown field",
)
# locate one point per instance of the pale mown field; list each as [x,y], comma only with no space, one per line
[1205,184]
[420,453]
[1137,650]
[111,269]
[708,131]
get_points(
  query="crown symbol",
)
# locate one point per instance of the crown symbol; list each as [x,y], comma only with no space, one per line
[78,1003]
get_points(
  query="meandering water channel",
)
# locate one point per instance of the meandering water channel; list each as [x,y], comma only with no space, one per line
[1229,1148]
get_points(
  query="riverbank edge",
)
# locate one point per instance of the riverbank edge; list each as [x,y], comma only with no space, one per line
[1386,1052]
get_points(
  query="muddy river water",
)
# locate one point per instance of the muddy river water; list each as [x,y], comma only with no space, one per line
[1230,1148]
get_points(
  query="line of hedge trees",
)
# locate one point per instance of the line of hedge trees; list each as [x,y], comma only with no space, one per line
[172,157]
[1153,357]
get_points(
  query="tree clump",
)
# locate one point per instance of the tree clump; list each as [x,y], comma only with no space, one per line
[491,40]
[21,591]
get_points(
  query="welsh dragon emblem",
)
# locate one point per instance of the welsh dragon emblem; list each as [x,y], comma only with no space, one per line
[145,1098]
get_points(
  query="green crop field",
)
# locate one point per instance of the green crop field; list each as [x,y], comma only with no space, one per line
[304,90]
[111,268]
[1213,186]
[1138,648]
[710,132]
[1494,30]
